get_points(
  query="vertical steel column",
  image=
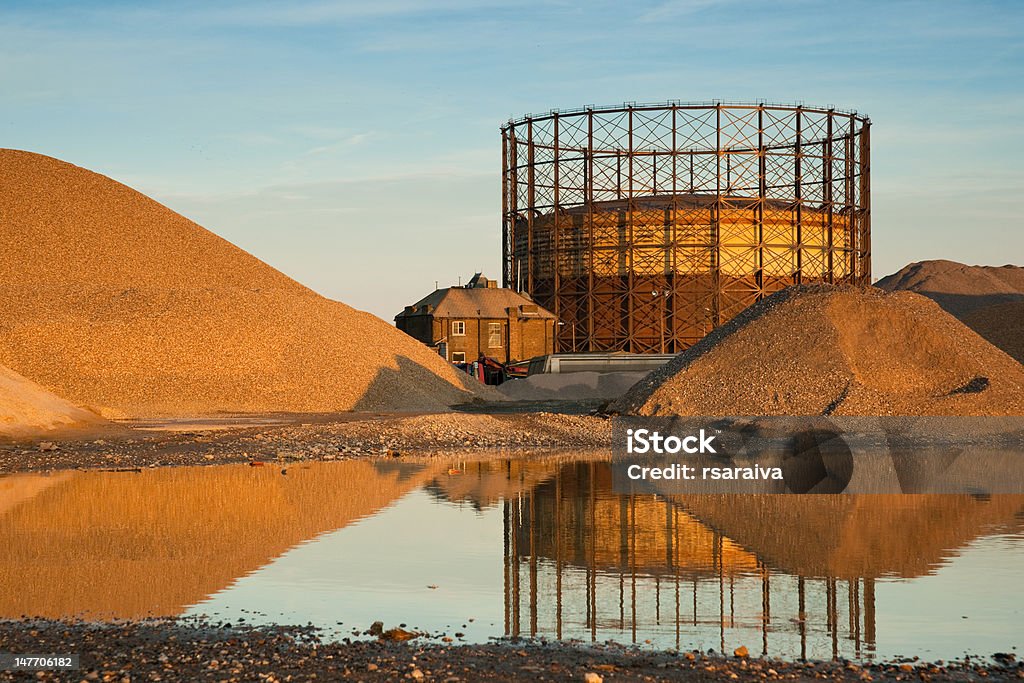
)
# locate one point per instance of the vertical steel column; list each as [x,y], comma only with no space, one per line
[850,207]
[827,181]
[631,310]
[715,225]
[506,252]
[691,155]
[865,201]
[557,280]
[672,276]
[513,209]
[531,200]
[618,174]
[762,192]
[654,173]
[798,180]
[589,192]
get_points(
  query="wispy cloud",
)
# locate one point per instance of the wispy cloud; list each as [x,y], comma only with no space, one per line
[293,13]
[674,9]
[344,143]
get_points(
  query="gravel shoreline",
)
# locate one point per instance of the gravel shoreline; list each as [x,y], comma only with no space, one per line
[198,651]
[316,437]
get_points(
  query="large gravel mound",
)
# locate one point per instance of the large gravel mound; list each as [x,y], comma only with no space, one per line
[818,350]
[988,299]
[114,301]
[957,287]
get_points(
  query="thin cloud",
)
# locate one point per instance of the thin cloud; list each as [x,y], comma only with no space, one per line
[677,8]
[350,141]
[319,13]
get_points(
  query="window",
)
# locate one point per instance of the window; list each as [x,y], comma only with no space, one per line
[459,328]
[494,335]
[458,356]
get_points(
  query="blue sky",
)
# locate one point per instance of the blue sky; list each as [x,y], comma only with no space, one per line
[356,145]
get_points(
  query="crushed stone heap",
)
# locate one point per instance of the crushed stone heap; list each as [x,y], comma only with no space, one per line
[988,299]
[119,304]
[815,350]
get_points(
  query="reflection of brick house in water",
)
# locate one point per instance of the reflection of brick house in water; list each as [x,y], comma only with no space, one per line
[480,318]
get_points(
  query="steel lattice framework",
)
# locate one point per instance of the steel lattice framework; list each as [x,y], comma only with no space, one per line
[643,227]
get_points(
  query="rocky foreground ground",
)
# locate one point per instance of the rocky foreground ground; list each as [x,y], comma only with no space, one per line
[312,437]
[171,651]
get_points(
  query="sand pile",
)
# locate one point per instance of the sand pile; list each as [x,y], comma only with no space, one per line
[114,301]
[26,409]
[570,386]
[836,350]
[959,288]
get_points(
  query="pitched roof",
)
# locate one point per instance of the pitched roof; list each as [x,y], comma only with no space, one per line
[476,302]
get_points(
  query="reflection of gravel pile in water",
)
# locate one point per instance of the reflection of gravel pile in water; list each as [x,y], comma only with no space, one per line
[570,386]
[27,409]
[817,350]
[114,301]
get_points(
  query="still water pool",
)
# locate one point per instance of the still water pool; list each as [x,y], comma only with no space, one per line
[531,547]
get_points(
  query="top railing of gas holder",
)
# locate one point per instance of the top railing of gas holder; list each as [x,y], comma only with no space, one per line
[680,104]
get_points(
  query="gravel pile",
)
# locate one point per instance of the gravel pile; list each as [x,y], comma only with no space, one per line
[26,409]
[957,287]
[1002,325]
[988,299]
[817,350]
[115,302]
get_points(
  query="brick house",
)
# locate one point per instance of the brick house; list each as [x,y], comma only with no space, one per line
[480,318]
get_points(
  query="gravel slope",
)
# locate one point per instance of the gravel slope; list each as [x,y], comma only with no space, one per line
[817,350]
[114,301]
[27,410]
